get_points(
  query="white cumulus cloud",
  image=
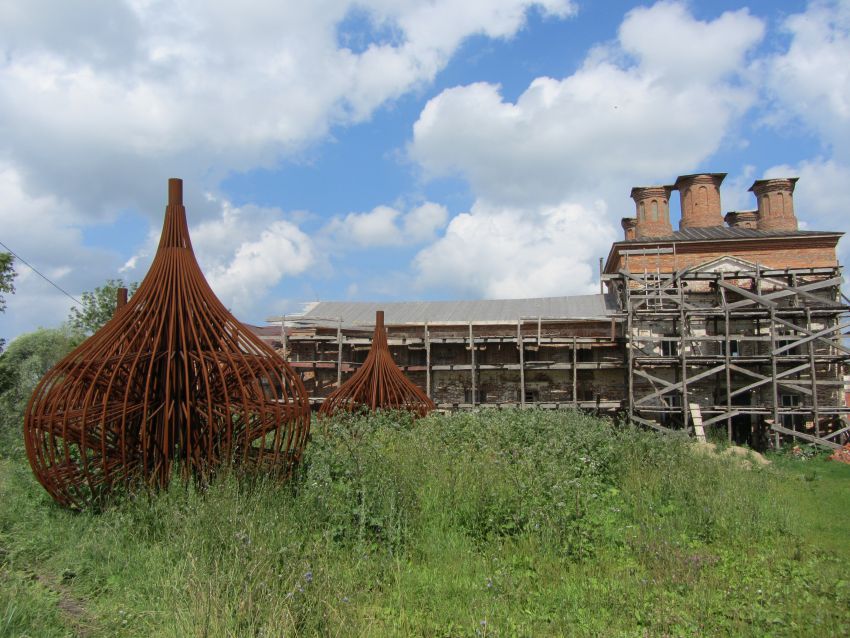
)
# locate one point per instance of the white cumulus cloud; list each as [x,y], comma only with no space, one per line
[504,252]
[643,109]
[386,226]
[101,101]
[609,122]
[809,83]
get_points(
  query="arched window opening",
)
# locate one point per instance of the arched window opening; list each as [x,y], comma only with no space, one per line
[702,198]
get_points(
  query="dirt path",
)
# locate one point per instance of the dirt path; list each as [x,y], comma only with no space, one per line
[72,608]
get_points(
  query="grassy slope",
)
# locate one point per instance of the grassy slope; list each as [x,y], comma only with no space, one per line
[502,524]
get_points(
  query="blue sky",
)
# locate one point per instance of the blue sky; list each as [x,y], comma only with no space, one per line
[396,150]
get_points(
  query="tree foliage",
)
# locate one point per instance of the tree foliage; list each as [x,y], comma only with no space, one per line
[7,276]
[98,307]
[23,364]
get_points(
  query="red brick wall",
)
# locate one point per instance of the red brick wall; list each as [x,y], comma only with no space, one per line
[795,253]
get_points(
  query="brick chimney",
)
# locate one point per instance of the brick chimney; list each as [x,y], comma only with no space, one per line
[700,195]
[652,204]
[742,219]
[629,224]
[775,199]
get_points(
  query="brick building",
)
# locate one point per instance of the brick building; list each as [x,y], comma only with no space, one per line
[733,320]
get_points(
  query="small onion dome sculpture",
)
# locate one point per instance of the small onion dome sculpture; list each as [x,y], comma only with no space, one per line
[172,381]
[378,383]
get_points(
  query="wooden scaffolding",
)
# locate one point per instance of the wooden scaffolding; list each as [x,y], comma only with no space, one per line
[759,351]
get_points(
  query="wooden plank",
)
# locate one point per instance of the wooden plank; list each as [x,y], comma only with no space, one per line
[696,417]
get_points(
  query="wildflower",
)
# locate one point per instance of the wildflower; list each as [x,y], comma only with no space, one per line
[243,537]
[308,577]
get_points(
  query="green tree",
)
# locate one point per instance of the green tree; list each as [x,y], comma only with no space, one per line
[7,276]
[22,366]
[98,307]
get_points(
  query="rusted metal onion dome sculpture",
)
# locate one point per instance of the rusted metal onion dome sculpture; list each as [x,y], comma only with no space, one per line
[378,383]
[173,379]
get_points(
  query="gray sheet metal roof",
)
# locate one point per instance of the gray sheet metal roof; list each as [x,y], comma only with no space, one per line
[454,312]
[723,232]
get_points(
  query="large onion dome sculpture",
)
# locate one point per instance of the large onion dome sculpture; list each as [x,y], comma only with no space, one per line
[378,383]
[173,380]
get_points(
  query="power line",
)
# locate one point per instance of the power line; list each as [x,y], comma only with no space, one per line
[45,277]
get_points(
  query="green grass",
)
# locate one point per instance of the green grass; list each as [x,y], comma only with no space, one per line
[491,524]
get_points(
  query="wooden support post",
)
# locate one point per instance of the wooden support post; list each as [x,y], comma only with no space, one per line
[283,336]
[728,377]
[814,374]
[521,346]
[684,360]
[575,374]
[339,353]
[601,269]
[472,361]
[630,354]
[773,376]
[427,361]
[539,331]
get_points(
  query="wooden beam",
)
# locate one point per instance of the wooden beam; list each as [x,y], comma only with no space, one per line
[427,361]
[805,290]
[764,379]
[802,435]
[472,362]
[832,435]
[752,297]
[810,337]
[680,384]
[575,374]
[809,333]
[339,338]
[653,424]
[721,417]
[521,346]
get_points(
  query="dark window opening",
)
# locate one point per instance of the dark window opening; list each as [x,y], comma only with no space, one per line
[734,348]
[669,348]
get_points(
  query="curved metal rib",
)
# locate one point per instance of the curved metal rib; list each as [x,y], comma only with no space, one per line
[379,383]
[172,378]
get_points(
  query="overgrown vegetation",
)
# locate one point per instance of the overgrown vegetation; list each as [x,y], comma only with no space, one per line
[491,524]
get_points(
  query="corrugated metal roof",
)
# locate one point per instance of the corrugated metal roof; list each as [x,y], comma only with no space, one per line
[724,232]
[483,310]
